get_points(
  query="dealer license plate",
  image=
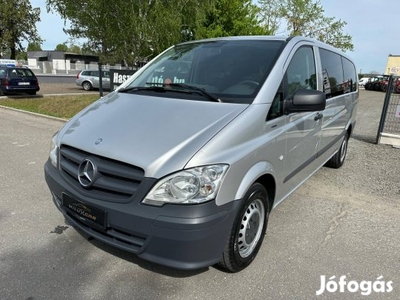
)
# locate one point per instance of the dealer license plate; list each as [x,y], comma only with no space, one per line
[85,212]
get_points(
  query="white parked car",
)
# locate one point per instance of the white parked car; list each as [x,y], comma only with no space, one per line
[363,81]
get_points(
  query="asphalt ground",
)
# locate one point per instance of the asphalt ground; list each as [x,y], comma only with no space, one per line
[343,222]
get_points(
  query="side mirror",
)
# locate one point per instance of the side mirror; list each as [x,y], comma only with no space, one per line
[305,101]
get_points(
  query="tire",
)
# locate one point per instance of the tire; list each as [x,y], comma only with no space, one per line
[87,86]
[338,159]
[248,230]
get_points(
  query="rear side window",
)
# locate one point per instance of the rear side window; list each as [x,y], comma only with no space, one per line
[95,73]
[350,75]
[332,72]
[20,73]
[339,74]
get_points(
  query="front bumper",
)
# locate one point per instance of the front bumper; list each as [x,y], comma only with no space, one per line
[178,236]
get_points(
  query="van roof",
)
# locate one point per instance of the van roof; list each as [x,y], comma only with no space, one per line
[288,39]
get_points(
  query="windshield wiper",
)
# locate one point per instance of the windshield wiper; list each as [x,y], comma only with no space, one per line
[156,88]
[194,89]
[161,87]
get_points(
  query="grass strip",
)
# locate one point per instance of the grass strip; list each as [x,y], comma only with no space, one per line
[57,106]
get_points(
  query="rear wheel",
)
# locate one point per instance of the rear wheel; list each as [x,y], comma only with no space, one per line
[248,230]
[338,159]
[87,86]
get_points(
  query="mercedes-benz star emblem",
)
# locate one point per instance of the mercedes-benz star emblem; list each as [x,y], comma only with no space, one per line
[87,173]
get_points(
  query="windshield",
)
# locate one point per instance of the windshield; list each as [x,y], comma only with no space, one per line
[228,70]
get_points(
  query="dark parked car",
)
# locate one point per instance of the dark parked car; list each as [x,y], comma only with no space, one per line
[368,85]
[382,83]
[377,83]
[15,80]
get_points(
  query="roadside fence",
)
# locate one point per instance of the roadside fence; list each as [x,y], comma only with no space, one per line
[389,126]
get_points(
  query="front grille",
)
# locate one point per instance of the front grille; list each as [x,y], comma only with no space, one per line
[116,181]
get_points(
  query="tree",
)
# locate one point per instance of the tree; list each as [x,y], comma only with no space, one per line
[34,46]
[269,15]
[231,18]
[62,47]
[130,30]
[17,24]
[65,48]
[74,49]
[306,18]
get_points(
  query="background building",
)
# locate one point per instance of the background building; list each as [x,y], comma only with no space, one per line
[59,62]
[393,65]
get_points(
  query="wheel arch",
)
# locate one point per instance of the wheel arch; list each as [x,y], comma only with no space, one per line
[262,173]
[350,129]
[248,230]
[268,181]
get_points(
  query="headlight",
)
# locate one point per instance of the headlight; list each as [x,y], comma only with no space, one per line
[53,151]
[190,186]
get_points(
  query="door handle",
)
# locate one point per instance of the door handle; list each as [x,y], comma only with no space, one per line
[318,116]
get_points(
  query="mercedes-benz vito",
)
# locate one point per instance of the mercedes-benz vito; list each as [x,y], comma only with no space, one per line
[183,163]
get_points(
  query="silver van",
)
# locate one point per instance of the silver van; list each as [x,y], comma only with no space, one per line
[183,163]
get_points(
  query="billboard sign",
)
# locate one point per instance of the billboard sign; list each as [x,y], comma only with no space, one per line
[118,77]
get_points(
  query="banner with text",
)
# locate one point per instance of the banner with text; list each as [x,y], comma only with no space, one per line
[118,77]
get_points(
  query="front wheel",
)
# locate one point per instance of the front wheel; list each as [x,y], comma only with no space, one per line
[248,230]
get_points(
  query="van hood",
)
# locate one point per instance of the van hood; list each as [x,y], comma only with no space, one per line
[157,134]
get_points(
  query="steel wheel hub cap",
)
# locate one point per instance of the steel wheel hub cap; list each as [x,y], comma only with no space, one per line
[251,227]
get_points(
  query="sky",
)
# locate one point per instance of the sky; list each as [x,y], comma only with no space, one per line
[373,27]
